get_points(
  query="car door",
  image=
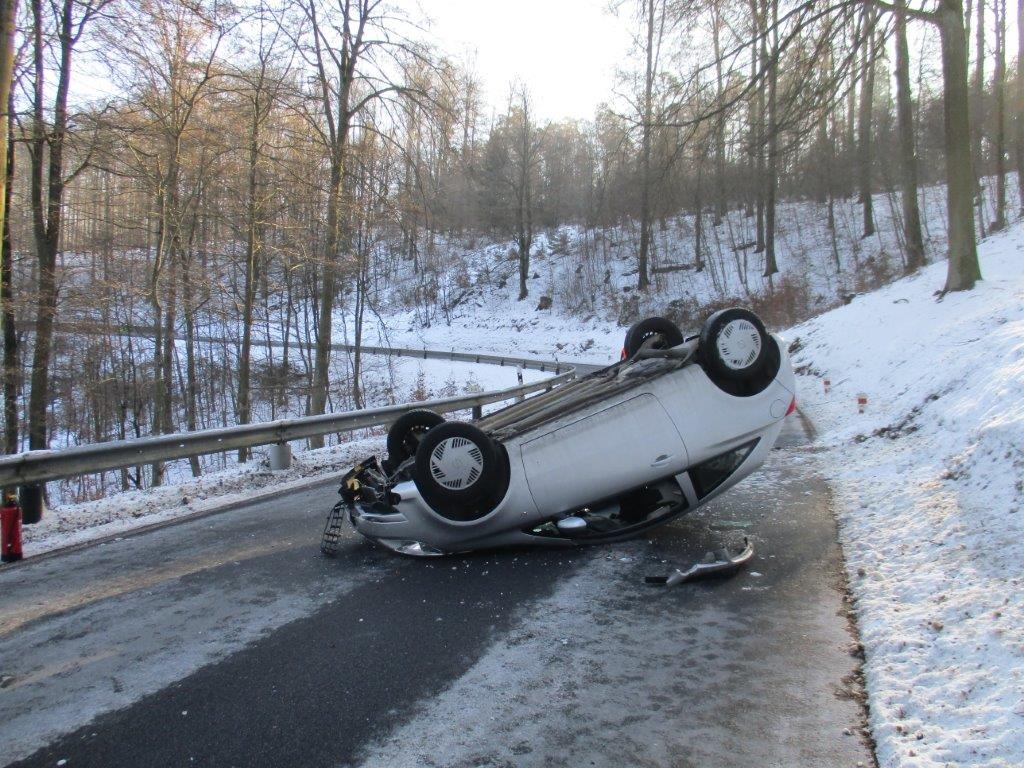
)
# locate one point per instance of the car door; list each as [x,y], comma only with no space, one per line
[606,452]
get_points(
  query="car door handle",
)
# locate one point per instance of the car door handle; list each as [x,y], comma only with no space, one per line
[661,461]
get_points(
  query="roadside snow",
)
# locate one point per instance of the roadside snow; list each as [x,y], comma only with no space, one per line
[930,490]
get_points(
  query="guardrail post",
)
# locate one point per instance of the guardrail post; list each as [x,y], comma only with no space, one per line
[280,457]
[478,411]
[33,503]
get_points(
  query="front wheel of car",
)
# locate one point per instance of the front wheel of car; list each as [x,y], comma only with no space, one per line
[734,344]
[456,469]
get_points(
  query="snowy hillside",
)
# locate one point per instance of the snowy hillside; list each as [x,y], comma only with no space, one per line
[929,486]
[590,276]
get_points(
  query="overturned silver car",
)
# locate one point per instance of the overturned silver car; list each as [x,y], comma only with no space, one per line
[673,424]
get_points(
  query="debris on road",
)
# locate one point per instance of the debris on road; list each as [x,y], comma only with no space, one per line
[718,563]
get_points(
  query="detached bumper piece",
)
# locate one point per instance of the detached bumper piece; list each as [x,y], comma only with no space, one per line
[714,564]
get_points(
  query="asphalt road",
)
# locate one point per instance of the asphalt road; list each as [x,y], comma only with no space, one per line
[230,641]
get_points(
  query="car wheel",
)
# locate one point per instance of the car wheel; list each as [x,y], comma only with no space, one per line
[408,431]
[456,469]
[734,344]
[661,333]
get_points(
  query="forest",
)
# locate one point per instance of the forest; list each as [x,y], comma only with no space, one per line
[290,170]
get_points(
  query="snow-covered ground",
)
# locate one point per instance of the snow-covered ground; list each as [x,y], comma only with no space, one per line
[929,485]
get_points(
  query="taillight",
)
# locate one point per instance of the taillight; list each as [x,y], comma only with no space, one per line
[792,406]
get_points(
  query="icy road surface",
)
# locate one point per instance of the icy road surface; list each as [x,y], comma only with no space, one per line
[229,640]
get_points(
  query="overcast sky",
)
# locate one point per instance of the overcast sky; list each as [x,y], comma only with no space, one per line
[565,51]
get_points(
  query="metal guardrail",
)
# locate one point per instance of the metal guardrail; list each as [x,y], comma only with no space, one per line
[34,467]
[534,364]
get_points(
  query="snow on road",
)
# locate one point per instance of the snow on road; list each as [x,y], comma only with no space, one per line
[930,485]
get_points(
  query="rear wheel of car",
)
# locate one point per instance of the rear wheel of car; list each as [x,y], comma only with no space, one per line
[655,332]
[408,431]
[734,344]
[457,466]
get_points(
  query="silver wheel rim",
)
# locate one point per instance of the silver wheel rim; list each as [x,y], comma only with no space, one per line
[456,463]
[739,345]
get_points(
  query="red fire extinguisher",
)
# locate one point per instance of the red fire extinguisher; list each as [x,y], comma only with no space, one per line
[10,529]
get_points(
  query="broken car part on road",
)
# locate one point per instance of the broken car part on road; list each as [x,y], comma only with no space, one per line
[719,563]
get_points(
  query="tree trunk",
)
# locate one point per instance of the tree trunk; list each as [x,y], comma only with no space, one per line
[772,180]
[698,220]
[908,152]
[999,86]
[11,371]
[328,288]
[524,197]
[8,27]
[850,127]
[1019,116]
[865,138]
[156,303]
[720,202]
[759,142]
[249,289]
[964,270]
[357,356]
[191,385]
[645,157]
[977,107]
[524,264]
[47,209]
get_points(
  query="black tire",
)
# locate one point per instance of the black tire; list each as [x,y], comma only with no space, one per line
[407,432]
[457,466]
[664,334]
[734,344]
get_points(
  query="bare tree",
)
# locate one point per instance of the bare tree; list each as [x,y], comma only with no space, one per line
[977,107]
[8,25]
[525,154]
[261,89]
[50,125]
[646,129]
[964,270]
[999,87]
[169,52]
[359,50]
[865,139]
[1018,116]
[771,60]
[914,243]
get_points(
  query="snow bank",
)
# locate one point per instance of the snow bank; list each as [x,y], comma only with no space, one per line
[930,493]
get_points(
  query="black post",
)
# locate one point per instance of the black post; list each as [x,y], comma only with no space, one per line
[33,503]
